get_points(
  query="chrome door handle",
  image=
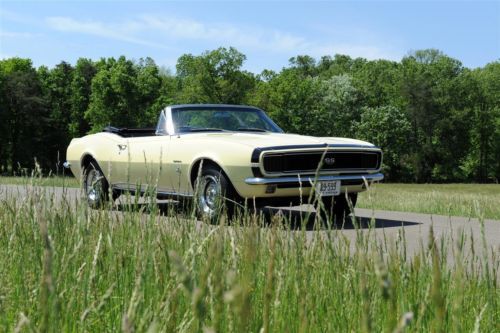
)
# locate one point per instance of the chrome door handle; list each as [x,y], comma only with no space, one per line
[122,147]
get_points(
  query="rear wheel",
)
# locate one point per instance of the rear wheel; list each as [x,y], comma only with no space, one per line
[96,186]
[338,207]
[214,195]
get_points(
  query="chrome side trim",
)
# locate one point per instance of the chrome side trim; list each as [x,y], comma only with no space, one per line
[144,189]
[311,179]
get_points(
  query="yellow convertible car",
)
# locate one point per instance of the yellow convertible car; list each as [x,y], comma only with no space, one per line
[223,153]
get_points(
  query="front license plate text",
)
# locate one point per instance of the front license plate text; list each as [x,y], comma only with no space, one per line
[329,188]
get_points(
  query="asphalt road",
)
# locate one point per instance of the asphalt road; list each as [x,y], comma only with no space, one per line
[386,225]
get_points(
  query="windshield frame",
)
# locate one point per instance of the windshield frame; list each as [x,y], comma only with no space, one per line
[167,126]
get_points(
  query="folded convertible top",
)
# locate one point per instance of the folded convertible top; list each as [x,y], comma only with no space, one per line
[130,132]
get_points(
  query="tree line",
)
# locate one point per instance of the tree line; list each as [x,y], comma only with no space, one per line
[436,120]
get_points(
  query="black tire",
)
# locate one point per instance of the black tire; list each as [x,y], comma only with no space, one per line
[96,187]
[214,195]
[337,208]
[116,194]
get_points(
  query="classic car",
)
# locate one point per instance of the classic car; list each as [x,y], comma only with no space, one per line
[229,154]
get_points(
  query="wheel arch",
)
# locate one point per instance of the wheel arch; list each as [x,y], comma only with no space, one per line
[86,159]
[207,161]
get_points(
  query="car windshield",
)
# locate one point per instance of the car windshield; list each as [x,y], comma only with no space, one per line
[217,119]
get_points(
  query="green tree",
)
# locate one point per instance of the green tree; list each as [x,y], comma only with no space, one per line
[292,100]
[56,84]
[149,85]
[167,93]
[24,116]
[340,64]
[340,107]
[390,129]
[379,82]
[113,95]
[483,160]
[123,94]
[431,90]
[81,86]
[309,105]
[214,77]
[304,64]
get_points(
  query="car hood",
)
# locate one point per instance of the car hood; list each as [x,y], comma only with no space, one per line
[263,140]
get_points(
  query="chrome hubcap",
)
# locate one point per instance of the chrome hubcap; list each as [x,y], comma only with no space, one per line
[94,185]
[209,194]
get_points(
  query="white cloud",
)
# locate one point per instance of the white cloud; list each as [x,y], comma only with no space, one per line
[162,30]
[246,37]
[7,15]
[257,38]
[12,34]
[68,24]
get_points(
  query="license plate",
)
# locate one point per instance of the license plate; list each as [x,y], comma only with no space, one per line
[330,188]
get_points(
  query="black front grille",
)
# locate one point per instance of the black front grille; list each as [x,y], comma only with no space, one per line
[306,162]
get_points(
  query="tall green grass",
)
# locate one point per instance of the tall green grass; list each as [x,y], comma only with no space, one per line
[64,267]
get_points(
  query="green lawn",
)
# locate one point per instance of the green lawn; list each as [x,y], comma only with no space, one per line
[40,181]
[470,200]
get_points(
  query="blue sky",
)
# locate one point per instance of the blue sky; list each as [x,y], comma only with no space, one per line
[268,33]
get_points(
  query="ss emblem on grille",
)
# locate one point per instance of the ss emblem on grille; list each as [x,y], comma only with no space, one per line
[329,160]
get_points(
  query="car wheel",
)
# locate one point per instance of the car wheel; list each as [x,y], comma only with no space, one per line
[213,195]
[338,208]
[96,186]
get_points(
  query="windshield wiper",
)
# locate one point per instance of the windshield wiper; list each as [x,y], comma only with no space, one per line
[206,129]
[251,129]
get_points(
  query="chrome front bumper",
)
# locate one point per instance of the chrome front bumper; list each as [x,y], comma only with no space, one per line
[312,179]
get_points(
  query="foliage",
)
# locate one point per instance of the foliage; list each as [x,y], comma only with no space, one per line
[84,72]
[123,94]
[56,85]
[290,98]
[23,114]
[213,77]
[388,127]
[436,120]
[340,106]
[483,160]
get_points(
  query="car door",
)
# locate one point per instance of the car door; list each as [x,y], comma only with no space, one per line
[148,162]
[181,156]
[116,167]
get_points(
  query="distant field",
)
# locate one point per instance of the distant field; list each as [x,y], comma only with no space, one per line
[45,181]
[471,200]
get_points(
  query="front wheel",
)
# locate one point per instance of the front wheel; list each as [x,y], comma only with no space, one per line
[213,195]
[95,185]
